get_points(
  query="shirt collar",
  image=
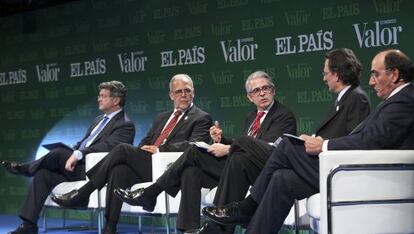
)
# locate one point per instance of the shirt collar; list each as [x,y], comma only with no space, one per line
[342,92]
[398,89]
[110,116]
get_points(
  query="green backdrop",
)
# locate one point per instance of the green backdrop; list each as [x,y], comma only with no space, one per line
[51,61]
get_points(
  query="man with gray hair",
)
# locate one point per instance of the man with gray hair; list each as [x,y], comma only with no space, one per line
[126,165]
[197,168]
[65,164]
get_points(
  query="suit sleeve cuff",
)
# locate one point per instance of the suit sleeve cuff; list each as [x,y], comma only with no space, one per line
[325,145]
[78,154]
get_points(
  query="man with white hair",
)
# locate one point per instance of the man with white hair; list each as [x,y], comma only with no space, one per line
[126,165]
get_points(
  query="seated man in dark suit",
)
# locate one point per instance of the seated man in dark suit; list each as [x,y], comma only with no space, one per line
[292,171]
[342,73]
[127,165]
[63,164]
[198,168]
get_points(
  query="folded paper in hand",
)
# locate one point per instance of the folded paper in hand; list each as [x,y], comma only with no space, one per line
[55,145]
[294,139]
[201,144]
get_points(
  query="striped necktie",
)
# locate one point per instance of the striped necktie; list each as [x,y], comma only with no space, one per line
[167,130]
[256,124]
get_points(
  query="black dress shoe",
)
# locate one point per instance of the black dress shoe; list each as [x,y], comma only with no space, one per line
[229,214]
[71,199]
[207,228]
[15,168]
[136,198]
[25,228]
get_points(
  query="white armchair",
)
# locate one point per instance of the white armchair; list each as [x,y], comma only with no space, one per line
[166,205]
[95,201]
[364,191]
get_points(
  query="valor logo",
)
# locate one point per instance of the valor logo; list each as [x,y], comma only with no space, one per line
[240,51]
[383,33]
[132,62]
[47,72]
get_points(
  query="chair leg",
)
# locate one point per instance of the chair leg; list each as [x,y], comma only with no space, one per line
[44,220]
[167,212]
[139,224]
[64,219]
[296,207]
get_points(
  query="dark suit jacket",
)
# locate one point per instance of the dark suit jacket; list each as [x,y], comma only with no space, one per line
[278,120]
[390,126]
[119,130]
[352,109]
[193,126]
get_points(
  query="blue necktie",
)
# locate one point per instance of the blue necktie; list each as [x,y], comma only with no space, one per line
[94,133]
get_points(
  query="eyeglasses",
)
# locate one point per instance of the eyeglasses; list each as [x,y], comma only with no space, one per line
[266,90]
[102,96]
[181,92]
[376,74]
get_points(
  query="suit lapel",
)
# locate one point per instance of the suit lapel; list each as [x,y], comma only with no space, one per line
[335,109]
[108,127]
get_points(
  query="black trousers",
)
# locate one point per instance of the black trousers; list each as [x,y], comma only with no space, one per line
[290,173]
[124,166]
[47,172]
[244,164]
[193,170]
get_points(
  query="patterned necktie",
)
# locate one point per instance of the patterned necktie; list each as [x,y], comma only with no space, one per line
[167,130]
[93,133]
[256,124]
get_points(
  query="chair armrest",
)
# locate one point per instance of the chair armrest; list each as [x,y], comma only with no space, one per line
[161,162]
[93,158]
[363,183]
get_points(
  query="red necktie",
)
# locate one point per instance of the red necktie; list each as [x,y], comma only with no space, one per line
[256,124]
[170,126]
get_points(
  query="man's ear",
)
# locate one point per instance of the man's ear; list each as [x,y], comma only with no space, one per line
[117,101]
[395,76]
[171,95]
[248,97]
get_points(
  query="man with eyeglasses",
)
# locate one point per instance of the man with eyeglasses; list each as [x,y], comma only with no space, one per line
[201,168]
[341,73]
[292,172]
[65,164]
[127,165]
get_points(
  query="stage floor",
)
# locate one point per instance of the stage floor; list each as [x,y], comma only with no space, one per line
[10,222]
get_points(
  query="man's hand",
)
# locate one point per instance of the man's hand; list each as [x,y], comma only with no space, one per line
[71,163]
[313,145]
[150,148]
[216,132]
[218,149]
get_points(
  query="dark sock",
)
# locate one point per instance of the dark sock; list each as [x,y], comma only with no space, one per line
[248,206]
[153,190]
[29,223]
[111,224]
[86,190]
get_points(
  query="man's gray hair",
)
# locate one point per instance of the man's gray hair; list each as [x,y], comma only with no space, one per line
[183,77]
[257,75]
[116,89]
